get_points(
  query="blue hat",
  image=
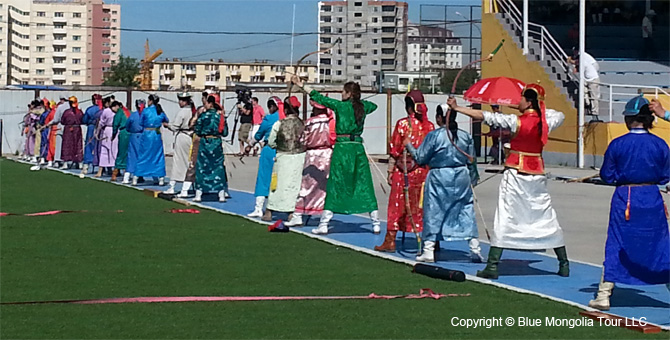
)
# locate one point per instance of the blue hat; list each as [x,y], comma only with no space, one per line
[634,105]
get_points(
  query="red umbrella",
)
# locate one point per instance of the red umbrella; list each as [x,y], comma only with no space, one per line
[499,90]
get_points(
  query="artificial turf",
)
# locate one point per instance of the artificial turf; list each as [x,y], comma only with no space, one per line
[145,251]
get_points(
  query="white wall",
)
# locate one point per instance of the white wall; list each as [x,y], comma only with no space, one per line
[13,106]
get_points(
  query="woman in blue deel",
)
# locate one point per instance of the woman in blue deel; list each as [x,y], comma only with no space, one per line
[637,251]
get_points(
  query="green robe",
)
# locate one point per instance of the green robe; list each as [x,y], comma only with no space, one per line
[119,130]
[349,189]
[210,173]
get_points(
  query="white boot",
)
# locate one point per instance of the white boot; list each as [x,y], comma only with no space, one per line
[475,251]
[326,216]
[50,164]
[42,161]
[84,171]
[33,160]
[65,166]
[184,190]
[198,196]
[126,178]
[161,181]
[296,220]
[428,254]
[258,209]
[170,189]
[602,300]
[222,196]
[135,180]
[376,225]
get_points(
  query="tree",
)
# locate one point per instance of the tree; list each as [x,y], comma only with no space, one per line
[123,73]
[468,77]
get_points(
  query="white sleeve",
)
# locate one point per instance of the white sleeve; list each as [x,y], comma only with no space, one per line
[272,140]
[554,118]
[501,120]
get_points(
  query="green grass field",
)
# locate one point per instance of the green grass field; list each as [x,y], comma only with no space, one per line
[147,252]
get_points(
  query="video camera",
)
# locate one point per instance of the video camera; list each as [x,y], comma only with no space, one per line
[243,95]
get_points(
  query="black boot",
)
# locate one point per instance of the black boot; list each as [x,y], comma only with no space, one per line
[491,270]
[563,263]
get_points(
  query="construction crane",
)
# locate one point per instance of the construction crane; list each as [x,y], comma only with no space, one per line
[145,70]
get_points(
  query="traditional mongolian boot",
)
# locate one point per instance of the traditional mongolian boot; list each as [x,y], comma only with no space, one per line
[50,164]
[295,220]
[170,189]
[389,242]
[198,196]
[258,209]
[115,174]
[65,166]
[126,178]
[326,216]
[185,187]
[222,196]
[267,216]
[84,171]
[475,251]
[376,224]
[602,300]
[135,178]
[491,270]
[563,263]
[428,254]
[99,174]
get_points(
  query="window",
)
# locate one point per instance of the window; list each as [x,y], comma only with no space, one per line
[105,52]
[76,15]
[358,4]
[58,14]
[59,49]
[325,61]
[113,20]
[358,36]
[388,50]
[357,67]
[339,9]
[76,37]
[358,25]
[339,62]
[374,52]
[76,61]
[375,41]
[76,25]
[104,61]
[358,15]
[60,26]
[388,29]
[388,61]
[339,51]
[41,25]
[388,40]
[40,37]
[75,83]
[403,81]
[41,14]
[326,8]
[358,45]
[388,8]
[39,60]
[39,72]
[357,56]
[325,19]
[375,30]
[339,30]
[325,29]
[40,49]
[339,19]
[388,19]
[325,40]
[76,49]
[115,12]
[39,82]
[357,77]
[375,19]
[339,73]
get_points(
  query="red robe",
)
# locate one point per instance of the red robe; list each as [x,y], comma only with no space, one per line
[51,153]
[398,219]
[72,150]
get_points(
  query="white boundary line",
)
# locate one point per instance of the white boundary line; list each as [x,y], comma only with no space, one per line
[366,250]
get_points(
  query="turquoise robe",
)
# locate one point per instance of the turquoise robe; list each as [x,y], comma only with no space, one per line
[210,172]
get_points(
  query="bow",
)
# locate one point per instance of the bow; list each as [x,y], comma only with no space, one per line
[323,50]
[453,92]
[405,190]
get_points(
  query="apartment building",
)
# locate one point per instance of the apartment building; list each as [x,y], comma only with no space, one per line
[218,74]
[432,49]
[373,39]
[58,42]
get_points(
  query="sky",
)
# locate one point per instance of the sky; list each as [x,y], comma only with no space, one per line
[245,16]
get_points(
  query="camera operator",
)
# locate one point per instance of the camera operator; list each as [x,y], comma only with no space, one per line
[246,120]
[258,115]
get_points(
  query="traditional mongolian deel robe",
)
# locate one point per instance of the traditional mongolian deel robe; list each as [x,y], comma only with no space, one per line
[193,154]
[285,138]
[107,146]
[44,142]
[398,217]
[58,116]
[267,159]
[122,138]
[72,140]
[210,173]
[349,189]
[637,251]
[29,122]
[151,162]
[90,119]
[134,129]
[183,141]
[525,218]
[53,132]
[318,139]
[449,212]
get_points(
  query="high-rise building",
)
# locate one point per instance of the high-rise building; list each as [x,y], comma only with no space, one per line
[58,42]
[432,49]
[373,39]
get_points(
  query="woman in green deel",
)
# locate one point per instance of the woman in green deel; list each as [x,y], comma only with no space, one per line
[349,189]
